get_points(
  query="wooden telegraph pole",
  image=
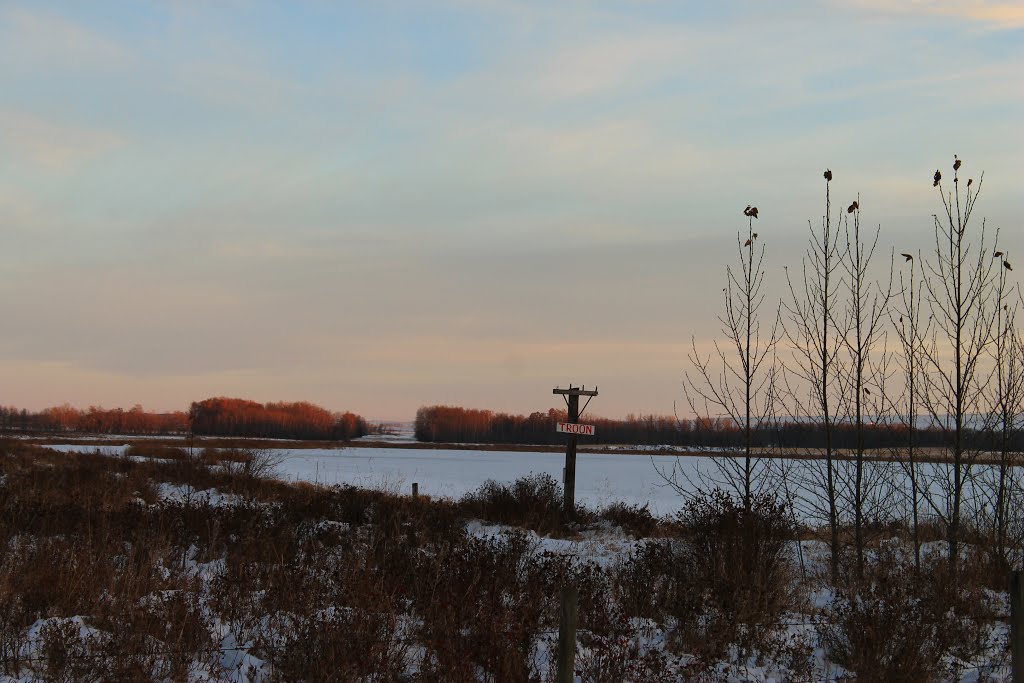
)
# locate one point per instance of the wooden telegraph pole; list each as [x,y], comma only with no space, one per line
[572,401]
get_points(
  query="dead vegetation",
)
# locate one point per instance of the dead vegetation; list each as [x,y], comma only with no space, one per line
[166,566]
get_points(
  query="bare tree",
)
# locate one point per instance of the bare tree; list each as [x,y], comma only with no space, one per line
[1005,386]
[866,309]
[959,285]
[737,381]
[908,327]
[812,377]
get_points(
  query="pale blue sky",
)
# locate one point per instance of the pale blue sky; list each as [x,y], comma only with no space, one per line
[381,205]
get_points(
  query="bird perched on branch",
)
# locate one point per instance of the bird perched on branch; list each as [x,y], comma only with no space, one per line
[853,207]
[907,256]
[997,254]
[750,211]
[956,163]
[754,235]
[936,179]
[1006,264]
[828,174]
[969,181]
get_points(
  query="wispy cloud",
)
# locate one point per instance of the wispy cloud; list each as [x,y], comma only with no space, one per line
[35,37]
[52,146]
[991,15]
[608,63]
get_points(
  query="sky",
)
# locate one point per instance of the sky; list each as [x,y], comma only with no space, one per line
[381,205]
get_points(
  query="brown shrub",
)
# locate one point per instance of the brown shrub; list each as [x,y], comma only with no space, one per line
[897,625]
[532,502]
[726,581]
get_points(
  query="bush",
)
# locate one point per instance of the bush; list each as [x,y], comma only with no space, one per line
[635,519]
[336,645]
[156,451]
[245,463]
[726,581]
[899,625]
[533,501]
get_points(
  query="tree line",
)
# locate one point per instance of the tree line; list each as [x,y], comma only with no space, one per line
[210,417]
[93,420]
[454,424]
[301,420]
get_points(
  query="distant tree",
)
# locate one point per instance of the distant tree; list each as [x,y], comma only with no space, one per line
[813,373]
[738,381]
[239,417]
[1005,394]
[867,307]
[906,406]
[959,285]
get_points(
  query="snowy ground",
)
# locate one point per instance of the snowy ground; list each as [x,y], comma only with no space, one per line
[601,479]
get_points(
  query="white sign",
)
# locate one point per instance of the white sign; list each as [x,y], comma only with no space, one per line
[575,428]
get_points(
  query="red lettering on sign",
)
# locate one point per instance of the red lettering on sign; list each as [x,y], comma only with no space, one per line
[574,428]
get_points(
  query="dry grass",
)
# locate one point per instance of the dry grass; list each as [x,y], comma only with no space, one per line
[111,582]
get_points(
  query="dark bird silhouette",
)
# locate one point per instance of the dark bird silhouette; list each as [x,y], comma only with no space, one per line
[969,181]
[755,235]
[828,174]
[853,207]
[956,163]
[907,256]
[747,243]
[746,211]
[997,254]
[866,392]
[936,179]
[750,211]
[1006,264]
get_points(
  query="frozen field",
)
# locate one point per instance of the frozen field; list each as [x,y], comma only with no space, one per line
[600,479]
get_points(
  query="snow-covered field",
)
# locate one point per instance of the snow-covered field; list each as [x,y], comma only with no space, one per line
[601,478]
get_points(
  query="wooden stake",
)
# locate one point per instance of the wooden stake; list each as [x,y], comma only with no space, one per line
[415,489]
[566,665]
[1017,625]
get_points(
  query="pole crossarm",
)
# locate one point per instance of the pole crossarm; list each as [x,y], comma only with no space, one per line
[574,392]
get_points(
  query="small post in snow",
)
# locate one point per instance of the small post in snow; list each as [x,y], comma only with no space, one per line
[1017,625]
[415,489]
[566,665]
